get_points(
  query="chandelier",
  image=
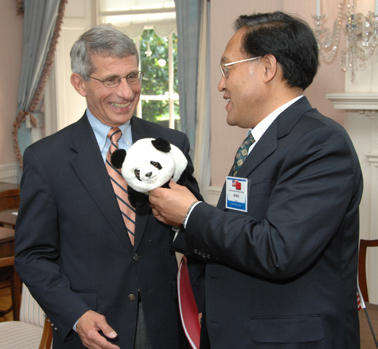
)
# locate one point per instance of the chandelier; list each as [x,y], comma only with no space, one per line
[361,32]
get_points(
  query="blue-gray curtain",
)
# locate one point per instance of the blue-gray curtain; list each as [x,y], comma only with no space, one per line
[202,148]
[188,18]
[42,21]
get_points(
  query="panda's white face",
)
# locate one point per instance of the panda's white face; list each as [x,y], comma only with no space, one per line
[150,175]
[146,168]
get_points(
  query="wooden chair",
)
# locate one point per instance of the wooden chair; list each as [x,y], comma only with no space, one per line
[33,330]
[364,244]
[9,196]
[15,284]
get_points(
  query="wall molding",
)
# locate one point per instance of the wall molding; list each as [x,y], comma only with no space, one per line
[364,134]
[9,173]
[354,101]
[212,195]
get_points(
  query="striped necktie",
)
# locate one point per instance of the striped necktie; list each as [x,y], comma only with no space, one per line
[241,154]
[119,185]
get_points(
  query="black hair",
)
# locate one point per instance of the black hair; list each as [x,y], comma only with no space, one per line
[289,39]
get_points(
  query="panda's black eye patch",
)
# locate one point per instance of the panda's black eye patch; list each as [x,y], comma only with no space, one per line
[137,174]
[156,164]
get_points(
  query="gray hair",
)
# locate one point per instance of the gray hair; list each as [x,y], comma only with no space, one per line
[102,40]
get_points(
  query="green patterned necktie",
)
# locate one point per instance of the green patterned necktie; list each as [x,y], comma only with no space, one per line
[241,154]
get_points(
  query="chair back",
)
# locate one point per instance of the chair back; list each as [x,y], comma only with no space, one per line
[30,311]
[15,283]
[364,244]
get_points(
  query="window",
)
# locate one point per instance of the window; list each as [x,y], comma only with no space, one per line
[152,24]
[160,87]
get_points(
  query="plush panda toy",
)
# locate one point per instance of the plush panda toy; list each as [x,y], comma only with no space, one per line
[148,164]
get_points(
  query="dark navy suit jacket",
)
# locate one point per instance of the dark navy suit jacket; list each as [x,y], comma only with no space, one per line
[284,274]
[72,248]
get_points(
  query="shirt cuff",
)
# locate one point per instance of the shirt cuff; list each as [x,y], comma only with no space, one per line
[176,230]
[191,207]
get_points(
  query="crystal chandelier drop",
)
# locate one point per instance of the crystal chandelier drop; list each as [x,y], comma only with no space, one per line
[361,32]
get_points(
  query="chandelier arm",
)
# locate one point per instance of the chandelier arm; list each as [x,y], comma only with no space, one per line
[361,34]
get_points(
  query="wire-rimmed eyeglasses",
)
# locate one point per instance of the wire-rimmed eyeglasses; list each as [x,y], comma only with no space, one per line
[114,81]
[223,66]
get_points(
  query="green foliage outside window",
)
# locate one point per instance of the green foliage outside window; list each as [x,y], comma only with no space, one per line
[154,64]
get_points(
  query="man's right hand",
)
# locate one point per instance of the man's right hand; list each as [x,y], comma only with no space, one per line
[88,327]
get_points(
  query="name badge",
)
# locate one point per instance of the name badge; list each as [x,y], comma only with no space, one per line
[237,193]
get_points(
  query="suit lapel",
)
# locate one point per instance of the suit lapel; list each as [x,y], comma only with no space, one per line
[139,132]
[261,151]
[268,143]
[90,168]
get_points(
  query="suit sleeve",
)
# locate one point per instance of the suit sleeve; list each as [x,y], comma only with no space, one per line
[37,248]
[293,212]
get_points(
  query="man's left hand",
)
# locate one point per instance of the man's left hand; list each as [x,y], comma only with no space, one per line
[171,205]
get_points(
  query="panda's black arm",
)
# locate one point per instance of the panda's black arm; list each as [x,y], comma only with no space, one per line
[118,157]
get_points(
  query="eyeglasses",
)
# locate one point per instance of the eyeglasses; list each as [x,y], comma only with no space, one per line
[225,71]
[114,81]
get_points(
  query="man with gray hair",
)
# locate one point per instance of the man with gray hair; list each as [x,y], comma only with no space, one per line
[105,279]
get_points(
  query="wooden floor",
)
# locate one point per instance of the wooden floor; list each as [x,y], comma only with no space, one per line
[5,300]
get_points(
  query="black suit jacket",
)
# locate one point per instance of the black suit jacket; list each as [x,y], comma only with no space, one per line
[72,248]
[284,274]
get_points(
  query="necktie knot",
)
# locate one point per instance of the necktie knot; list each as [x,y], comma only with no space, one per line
[242,153]
[114,135]
[249,140]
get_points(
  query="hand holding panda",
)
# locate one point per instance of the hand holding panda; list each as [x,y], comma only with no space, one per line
[148,164]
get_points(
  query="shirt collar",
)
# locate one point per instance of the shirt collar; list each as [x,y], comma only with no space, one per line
[101,130]
[264,124]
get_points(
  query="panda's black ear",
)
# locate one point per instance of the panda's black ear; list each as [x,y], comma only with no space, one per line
[162,145]
[118,157]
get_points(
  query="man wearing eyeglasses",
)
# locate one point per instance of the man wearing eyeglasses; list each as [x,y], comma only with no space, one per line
[281,245]
[103,282]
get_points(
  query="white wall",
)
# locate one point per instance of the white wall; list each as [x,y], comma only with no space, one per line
[62,100]
[361,122]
